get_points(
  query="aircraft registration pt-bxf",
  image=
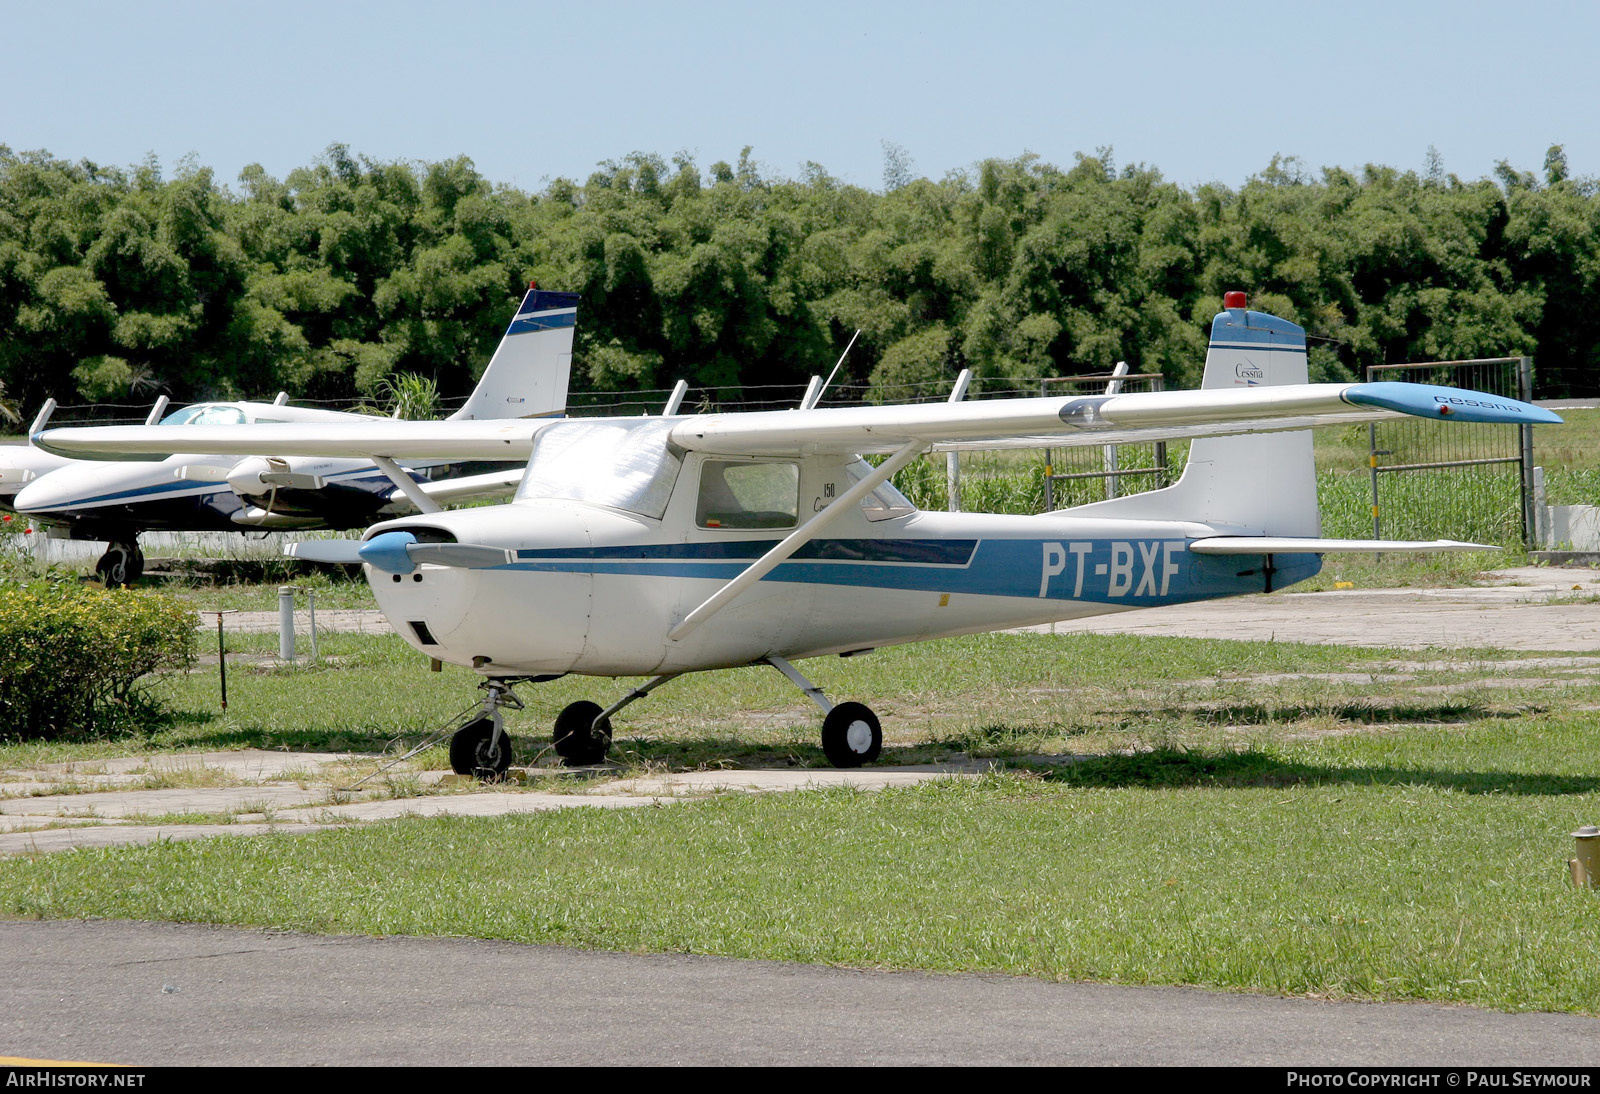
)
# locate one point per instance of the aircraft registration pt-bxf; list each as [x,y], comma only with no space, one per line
[218,491]
[659,546]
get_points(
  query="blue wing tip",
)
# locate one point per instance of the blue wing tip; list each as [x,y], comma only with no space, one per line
[1448,403]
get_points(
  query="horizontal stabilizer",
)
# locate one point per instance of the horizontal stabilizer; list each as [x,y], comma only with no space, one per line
[1297,545]
[341,551]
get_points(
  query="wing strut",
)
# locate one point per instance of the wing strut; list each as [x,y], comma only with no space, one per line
[407,485]
[675,400]
[797,539]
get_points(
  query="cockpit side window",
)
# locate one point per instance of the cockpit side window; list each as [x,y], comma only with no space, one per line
[748,494]
[628,465]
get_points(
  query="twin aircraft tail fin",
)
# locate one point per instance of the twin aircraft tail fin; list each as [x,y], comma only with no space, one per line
[1253,484]
[527,376]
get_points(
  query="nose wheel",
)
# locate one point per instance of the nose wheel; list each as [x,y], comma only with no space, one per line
[122,564]
[481,749]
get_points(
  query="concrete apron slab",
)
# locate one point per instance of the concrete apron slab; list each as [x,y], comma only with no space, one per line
[1534,609]
[62,822]
[249,763]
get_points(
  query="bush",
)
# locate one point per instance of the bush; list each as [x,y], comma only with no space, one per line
[72,657]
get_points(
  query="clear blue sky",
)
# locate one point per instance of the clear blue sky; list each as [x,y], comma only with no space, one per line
[535,90]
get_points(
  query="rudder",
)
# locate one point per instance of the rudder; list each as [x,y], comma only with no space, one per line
[527,376]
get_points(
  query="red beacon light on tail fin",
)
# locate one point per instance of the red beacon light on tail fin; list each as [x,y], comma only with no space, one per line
[1235,299]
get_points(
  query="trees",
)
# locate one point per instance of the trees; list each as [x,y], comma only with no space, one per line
[116,283]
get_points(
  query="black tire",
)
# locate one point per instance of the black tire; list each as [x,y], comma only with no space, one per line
[116,566]
[851,735]
[579,742]
[135,564]
[473,751]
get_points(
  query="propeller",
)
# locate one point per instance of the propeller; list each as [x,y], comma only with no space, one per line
[326,550]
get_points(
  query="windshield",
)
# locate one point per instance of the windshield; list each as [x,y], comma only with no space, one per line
[622,464]
[205,414]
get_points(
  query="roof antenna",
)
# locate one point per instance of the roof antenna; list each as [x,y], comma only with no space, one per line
[811,400]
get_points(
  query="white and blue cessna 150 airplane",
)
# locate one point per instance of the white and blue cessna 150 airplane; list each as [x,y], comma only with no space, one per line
[659,546]
[526,377]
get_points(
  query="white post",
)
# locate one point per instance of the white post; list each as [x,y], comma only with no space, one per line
[1541,512]
[286,622]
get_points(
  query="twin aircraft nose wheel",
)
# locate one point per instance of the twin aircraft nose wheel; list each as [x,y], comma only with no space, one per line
[122,564]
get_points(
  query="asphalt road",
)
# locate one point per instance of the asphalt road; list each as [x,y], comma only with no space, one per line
[165,994]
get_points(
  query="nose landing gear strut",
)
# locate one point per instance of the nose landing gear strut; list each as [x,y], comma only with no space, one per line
[482,748]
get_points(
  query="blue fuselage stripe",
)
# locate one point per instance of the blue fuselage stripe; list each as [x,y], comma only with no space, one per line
[556,320]
[1133,572]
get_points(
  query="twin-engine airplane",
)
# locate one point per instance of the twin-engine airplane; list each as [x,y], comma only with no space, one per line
[660,546]
[219,491]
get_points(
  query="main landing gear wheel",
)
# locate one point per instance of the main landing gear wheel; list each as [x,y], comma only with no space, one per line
[122,564]
[474,751]
[851,735]
[579,742]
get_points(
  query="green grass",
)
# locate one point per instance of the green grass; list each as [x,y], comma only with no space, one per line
[992,695]
[1236,815]
[1383,889]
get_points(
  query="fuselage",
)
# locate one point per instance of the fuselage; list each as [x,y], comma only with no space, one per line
[595,588]
[202,492]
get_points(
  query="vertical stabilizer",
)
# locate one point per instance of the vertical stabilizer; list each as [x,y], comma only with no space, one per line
[1254,484]
[527,376]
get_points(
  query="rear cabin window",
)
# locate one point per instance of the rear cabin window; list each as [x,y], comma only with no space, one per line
[748,495]
[205,414]
[627,465]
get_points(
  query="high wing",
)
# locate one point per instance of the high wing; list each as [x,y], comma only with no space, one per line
[1092,420]
[994,423]
[498,439]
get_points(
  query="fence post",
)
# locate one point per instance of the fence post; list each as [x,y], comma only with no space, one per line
[1530,514]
